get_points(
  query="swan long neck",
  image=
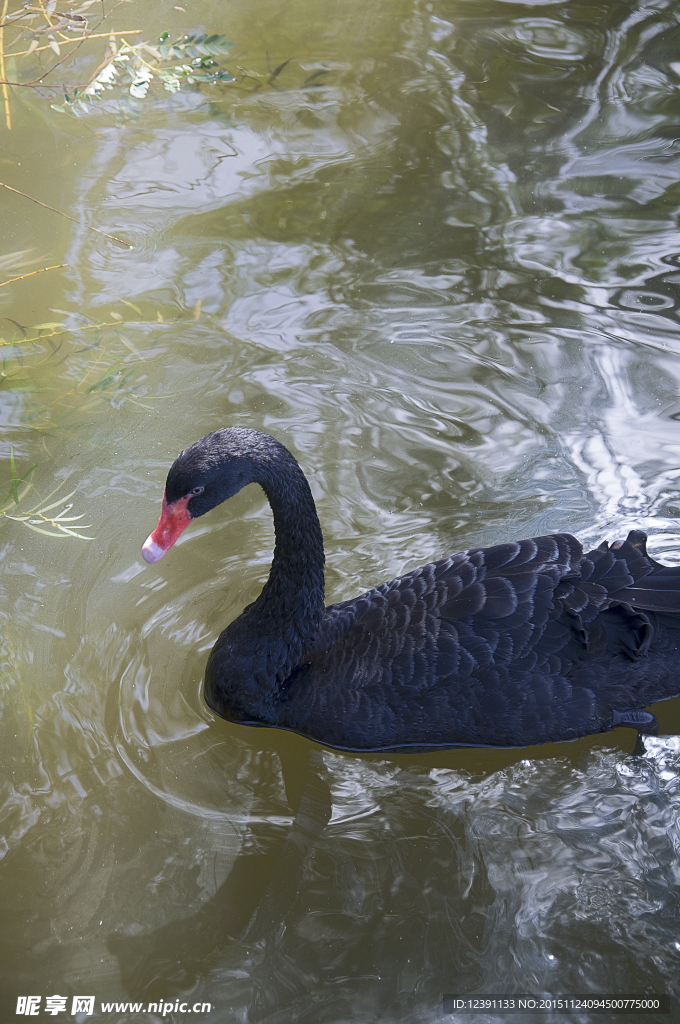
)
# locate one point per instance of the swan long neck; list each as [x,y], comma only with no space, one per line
[258,651]
[292,600]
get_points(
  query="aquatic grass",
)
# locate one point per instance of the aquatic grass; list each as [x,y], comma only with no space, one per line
[23,385]
[99,373]
[106,375]
[18,259]
[37,518]
[57,328]
[102,373]
[103,381]
[78,380]
[14,381]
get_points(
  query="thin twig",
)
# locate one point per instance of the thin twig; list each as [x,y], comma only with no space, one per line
[47,17]
[80,39]
[41,271]
[5,90]
[105,63]
[37,81]
[86,327]
[61,214]
[14,18]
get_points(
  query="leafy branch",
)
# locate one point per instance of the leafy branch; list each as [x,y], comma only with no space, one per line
[127,71]
[67,24]
[130,67]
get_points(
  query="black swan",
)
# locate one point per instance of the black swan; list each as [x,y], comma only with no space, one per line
[526,642]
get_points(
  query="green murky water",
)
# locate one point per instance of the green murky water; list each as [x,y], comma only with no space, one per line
[448,276]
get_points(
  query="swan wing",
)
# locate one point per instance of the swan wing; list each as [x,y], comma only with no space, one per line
[507,645]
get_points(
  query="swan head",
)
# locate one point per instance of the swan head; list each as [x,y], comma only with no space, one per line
[203,476]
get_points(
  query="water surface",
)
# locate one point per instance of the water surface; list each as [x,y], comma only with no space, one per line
[447,275]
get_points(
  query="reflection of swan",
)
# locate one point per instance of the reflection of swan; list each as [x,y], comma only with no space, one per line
[255,897]
[525,642]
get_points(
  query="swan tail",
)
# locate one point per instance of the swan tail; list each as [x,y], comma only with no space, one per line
[654,587]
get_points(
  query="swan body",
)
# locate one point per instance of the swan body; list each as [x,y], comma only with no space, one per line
[526,642]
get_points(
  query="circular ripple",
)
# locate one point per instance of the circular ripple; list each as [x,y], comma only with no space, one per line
[637,298]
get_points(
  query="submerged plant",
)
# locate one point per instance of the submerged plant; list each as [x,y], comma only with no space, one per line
[103,367]
[37,518]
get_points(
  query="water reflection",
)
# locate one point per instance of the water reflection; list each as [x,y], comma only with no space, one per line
[447,279]
[429,881]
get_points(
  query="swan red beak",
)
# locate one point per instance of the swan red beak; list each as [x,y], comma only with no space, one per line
[174,518]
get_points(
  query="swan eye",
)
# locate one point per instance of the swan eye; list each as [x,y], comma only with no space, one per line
[198,490]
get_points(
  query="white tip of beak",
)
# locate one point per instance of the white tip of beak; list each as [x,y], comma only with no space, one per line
[151,552]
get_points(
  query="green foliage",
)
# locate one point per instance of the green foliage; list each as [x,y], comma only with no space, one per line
[193,46]
[134,69]
[126,72]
